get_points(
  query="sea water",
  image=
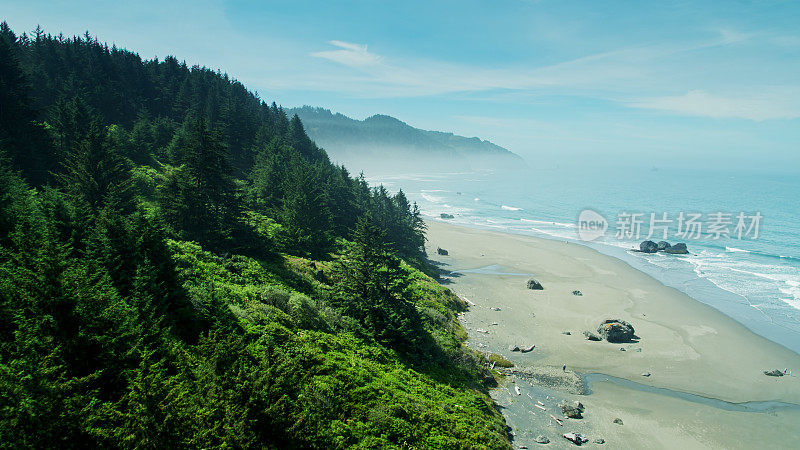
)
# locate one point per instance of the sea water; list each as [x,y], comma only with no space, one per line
[753,279]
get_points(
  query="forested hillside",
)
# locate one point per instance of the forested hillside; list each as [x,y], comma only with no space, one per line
[388,144]
[182,266]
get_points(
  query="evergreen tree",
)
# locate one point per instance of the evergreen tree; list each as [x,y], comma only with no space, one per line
[117,332]
[304,211]
[201,197]
[373,290]
[95,175]
[20,135]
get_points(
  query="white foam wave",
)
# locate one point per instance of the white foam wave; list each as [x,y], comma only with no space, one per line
[552,233]
[794,303]
[790,279]
[431,198]
[734,249]
[544,222]
[511,208]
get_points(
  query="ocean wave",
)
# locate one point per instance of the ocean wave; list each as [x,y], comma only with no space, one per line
[734,249]
[794,303]
[510,208]
[431,198]
[552,233]
[788,278]
[544,222]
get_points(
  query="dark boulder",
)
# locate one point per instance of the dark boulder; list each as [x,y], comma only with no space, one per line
[535,285]
[615,330]
[577,293]
[677,249]
[773,373]
[513,348]
[527,349]
[663,245]
[446,216]
[648,247]
[441,251]
[571,411]
[542,439]
[618,421]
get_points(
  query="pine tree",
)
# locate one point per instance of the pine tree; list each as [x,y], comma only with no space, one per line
[20,135]
[373,290]
[304,211]
[200,197]
[95,175]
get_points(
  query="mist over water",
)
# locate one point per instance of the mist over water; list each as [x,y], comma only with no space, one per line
[755,281]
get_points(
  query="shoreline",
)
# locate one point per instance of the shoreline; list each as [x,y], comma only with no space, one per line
[731,304]
[686,345]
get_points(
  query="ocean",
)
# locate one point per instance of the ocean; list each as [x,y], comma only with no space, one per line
[752,275]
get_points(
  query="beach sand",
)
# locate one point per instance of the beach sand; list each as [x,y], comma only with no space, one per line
[685,346]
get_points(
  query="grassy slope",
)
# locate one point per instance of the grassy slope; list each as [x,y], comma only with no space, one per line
[345,390]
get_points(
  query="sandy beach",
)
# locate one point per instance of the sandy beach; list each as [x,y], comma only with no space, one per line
[712,365]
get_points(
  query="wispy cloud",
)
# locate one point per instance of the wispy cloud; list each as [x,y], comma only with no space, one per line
[349,54]
[753,107]
[640,76]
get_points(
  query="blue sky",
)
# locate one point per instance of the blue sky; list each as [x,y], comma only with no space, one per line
[666,83]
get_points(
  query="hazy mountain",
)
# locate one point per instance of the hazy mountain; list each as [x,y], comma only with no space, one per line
[385,143]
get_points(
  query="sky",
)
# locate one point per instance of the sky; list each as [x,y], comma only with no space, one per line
[655,83]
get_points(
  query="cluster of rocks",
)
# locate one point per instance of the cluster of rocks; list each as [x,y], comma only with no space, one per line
[663,246]
[774,373]
[577,293]
[571,411]
[446,216]
[441,251]
[535,285]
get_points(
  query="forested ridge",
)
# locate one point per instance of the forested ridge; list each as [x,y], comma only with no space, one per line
[383,142]
[181,266]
